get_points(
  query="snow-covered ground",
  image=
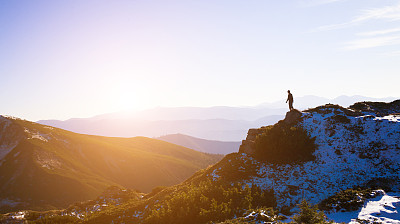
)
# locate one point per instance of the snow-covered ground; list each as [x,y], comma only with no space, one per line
[352,151]
[382,209]
[348,155]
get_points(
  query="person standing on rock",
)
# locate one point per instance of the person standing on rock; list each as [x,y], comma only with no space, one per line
[290,99]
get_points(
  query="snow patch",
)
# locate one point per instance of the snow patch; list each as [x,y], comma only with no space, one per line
[384,208]
[214,174]
[37,135]
[254,214]
[393,118]
[19,215]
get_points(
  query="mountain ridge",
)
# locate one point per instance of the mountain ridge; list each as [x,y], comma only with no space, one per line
[220,123]
[212,129]
[202,145]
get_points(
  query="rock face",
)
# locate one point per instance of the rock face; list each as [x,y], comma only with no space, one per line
[292,117]
[248,145]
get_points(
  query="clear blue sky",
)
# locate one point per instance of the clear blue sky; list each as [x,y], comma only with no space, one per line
[79,58]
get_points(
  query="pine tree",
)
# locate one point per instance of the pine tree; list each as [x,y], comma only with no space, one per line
[310,214]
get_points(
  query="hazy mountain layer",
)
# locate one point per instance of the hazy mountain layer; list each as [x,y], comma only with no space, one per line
[215,129]
[202,145]
[213,123]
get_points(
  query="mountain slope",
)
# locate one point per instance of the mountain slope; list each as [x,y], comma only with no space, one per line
[202,145]
[45,167]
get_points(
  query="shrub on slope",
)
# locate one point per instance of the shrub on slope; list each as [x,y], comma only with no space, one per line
[283,144]
[348,200]
[377,108]
[209,202]
[309,215]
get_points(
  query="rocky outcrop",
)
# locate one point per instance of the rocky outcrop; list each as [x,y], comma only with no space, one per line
[248,145]
[292,117]
[355,148]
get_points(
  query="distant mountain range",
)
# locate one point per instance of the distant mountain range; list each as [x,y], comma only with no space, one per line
[213,129]
[214,123]
[202,145]
[42,167]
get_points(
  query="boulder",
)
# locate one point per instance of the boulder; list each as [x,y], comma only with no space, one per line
[248,145]
[292,116]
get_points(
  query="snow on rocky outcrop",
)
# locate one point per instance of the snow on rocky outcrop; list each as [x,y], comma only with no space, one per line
[355,147]
[352,151]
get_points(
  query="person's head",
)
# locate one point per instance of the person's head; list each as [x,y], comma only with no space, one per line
[288,91]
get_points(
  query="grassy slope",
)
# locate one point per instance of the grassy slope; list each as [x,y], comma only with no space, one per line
[71,167]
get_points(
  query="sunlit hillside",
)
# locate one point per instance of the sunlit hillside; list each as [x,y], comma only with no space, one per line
[44,167]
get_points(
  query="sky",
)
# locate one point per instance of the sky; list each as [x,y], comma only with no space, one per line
[80,58]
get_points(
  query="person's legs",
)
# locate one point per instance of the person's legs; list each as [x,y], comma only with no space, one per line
[290,105]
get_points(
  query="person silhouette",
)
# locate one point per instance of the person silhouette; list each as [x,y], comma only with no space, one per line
[290,99]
